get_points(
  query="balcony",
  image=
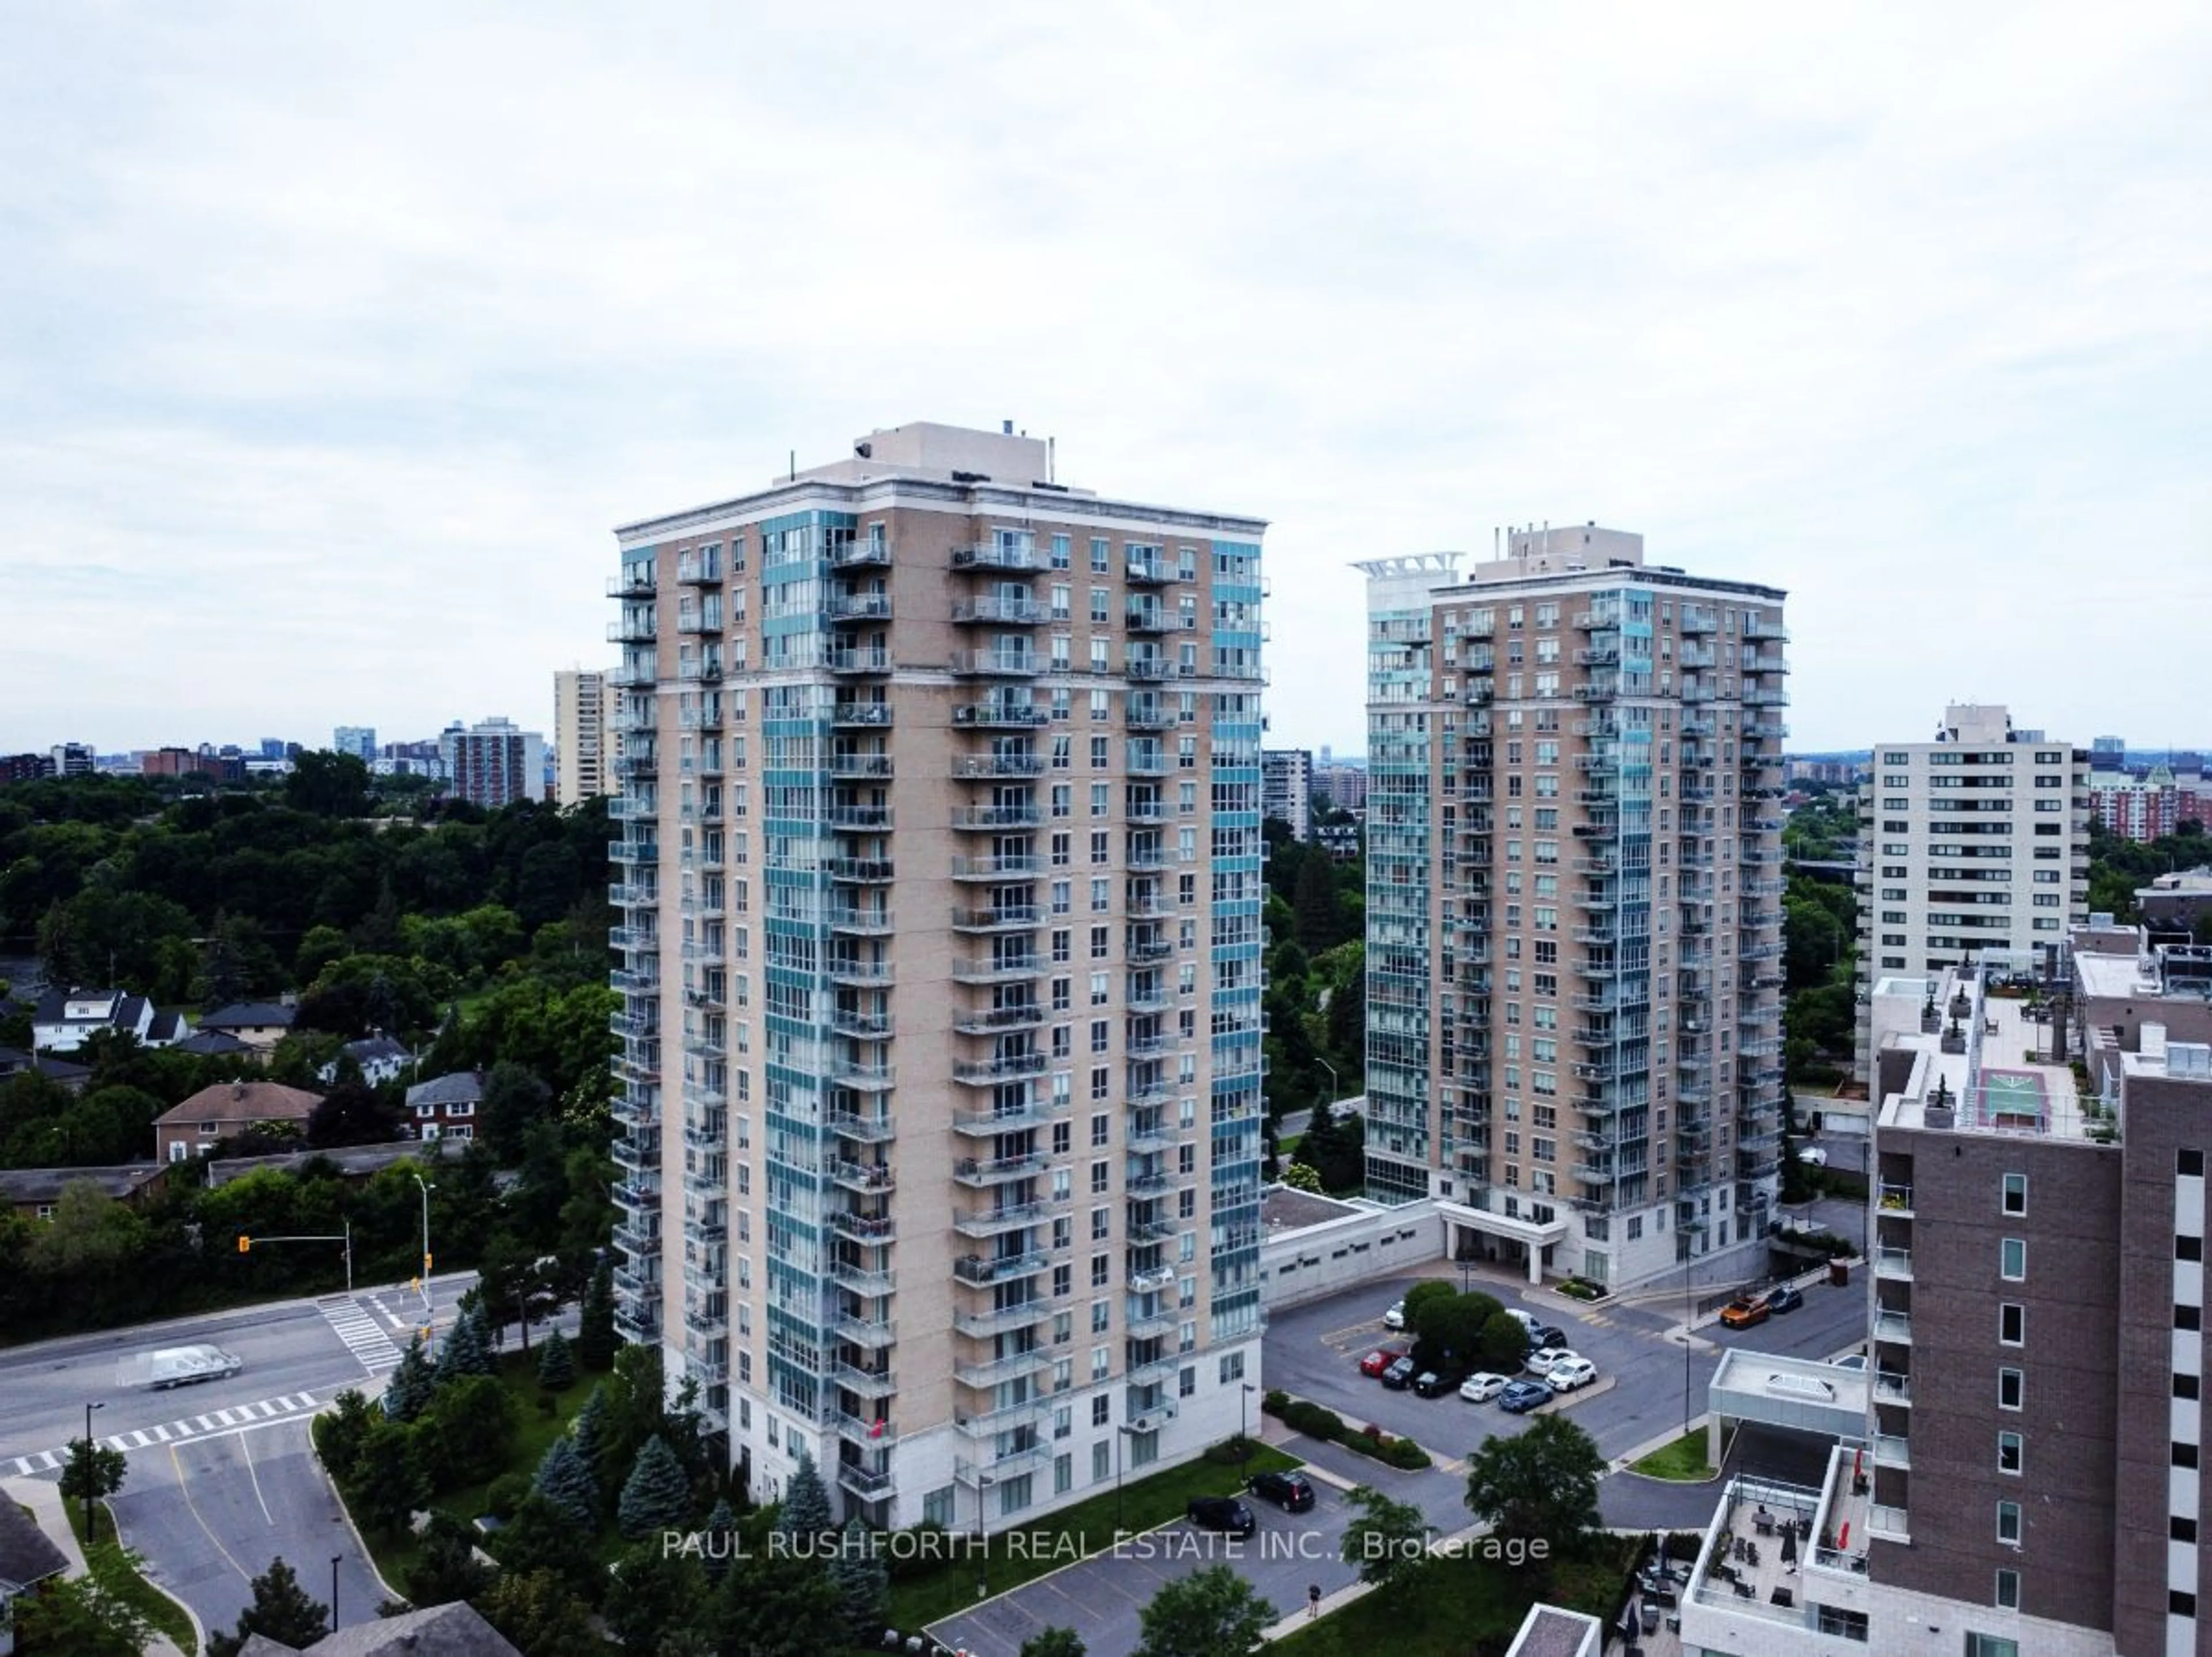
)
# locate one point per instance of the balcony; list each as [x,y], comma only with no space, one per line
[1000,716]
[862,817]
[859,607]
[859,554]
[873,1333]
[989,1123]
[1003,1320]
[850,972]
[991,819]
[1894,1263]
[1148,618]
[860,768]
[992,1072]
[865,1383]
[869,1483]
[1150,1280]
[980,1174]
[1895,1200]
[1893,1386]
[1892,1450]
[982,1377]
[869,1228]
[1149,571]
[865,872]
[862,1279]
[861,715]
[866,1177]
[995,1021]
[998,868]
[979,1270]
[857,659]
[861,922]
[1148,669]
[999,970]
[1894,1327]
[1000,609]
[1011,555]
[1009,1216]
[861,1129]
[997,664]
[1146,716]
[981,767]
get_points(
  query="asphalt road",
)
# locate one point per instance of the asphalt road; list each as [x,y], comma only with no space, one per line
[1313,1351]
[221,1476]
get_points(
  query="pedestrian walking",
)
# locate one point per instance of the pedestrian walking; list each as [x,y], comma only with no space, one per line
[1313,1601]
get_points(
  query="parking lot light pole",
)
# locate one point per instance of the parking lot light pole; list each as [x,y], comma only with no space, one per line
[90,1481]
[983,1483]
[427,1189]
[1243,1437]
[334,1590]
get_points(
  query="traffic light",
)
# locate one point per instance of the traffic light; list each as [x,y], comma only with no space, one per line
[246,1245]
[426,1265]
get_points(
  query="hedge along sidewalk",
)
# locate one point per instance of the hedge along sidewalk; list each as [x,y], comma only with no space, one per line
[1371,1441]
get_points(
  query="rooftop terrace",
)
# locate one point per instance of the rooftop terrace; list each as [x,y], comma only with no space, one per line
[1986,1068]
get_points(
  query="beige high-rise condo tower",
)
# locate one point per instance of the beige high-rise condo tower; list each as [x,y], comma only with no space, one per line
[583,736]
[1574,884]
[940,874]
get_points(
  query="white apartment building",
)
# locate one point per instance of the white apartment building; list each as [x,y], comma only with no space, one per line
[1974,846]
[584,740]
[1286,788]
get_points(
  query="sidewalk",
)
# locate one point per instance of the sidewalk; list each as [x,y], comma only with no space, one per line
[43,1499]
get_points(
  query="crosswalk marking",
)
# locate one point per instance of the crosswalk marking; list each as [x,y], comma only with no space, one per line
[361,1332]
[249,1415]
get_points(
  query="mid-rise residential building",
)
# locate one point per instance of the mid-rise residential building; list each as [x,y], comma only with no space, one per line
[2151,806]
[1286,788]
[1342,784]
[941,880]
[25,767]
[358,740]
[584,740]
[74,759]
[2030,1479]
[494,763]
[1574,889]
[1974,846]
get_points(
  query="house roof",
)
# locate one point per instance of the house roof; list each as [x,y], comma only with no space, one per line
[460,1087]
[454,1630]
[93,1008]
[166,1028]
[213,1044]
[243,1102]
[249,1015]
[61,1069]
[27,1554]
[44,1185]
[13,1059]
[373,1047]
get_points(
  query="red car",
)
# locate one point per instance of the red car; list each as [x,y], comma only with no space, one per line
[1379,1359]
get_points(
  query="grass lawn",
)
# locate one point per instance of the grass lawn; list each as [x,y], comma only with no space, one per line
[1683,1459]
[1145,1503]
[533,1436]
[1463,1606]
[107,1565]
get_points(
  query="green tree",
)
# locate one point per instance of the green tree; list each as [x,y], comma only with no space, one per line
[93,1471]
[1449,1326]
[513,1100]
[651,1594]
[1388,1539]
[467,1351]
[656,1496]
[280,1610]
[1431,1291]
[720,1532]
[806,1508]
[389,1482]
[1540,1483]
[1504,1344]
[329,785]
[446,1566]
[1301,1176]
[1314,902]
[80,1616]
[1054,1642]
[774,1604]
[536,1611]
[472,1422]
[1212,1612]
[349,1114]
[545,1535]
[556,1364]
[565,1479]
[340,1434]
[863,1583]
[589,1429]
[595,1327]
[407,1394]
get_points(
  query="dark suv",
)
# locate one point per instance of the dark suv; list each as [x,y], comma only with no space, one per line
[1291,1492]
[1434,1383]
[1222,1512]
[1400,1376]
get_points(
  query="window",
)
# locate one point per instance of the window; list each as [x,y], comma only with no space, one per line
[2178,1529]
[2009,1530]
[1102,1410]
[2007,1594]
[2012,1259]
[2012,1325]
[2187,1387]
[2015,1193]
[1990,1645]
[2011,1449]
[1102,1461]
[937,1508]
[2180,1603]
[2184,1455]
[2188,1248]
[2189,1164]
[2012,1386]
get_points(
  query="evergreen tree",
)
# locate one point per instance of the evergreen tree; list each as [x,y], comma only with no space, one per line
[447,1568]
[863,1582]
[389,1481]
[1315,903]
[589,1429]
[545,1535]
[539,1613]
[806,1510]
[567,1480]
[465,1352]
[280,1610]
[340,1434]
[656,1496]
[556,1364]
[595,1334]
[407,1394]
[651,1594]
[722,1530]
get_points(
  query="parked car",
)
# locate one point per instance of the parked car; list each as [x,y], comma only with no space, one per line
[1744,1312]
[1814,1157]
[1434,1383]
[1222,1513]
[1395,1317]
[1379,1360]
[1855,1361]
[1524,1395]
[1785,1299]
[1482,1387]
[1291,1492]
[1574,1373]
[1526,1320]
[1544,1359]
[1400,1376]
[1546,1334]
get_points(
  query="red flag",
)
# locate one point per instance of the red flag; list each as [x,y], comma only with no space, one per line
[875,1429]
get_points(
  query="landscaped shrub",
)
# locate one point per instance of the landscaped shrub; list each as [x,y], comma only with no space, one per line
[1582,1288]
[1275,1402]
[1230,1452]
[1313,1421]
[1404,1453]
[505,1494]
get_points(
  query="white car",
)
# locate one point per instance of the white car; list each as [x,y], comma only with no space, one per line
[1481,1386]
[1544,1359]
[1395,1317]
[1567,1376]
[1814,1157]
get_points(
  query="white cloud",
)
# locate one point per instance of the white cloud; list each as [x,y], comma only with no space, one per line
[331,347]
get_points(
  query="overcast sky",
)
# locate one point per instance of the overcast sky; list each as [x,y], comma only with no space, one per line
[333,341]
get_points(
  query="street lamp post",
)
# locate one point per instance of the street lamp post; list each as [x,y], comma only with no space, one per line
[89,1481]
[983,1483]
[427,1188]
[334,1590]
[1335,1087]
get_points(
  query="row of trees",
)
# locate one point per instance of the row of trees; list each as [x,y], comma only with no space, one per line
[1316,999]
[2119,867]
